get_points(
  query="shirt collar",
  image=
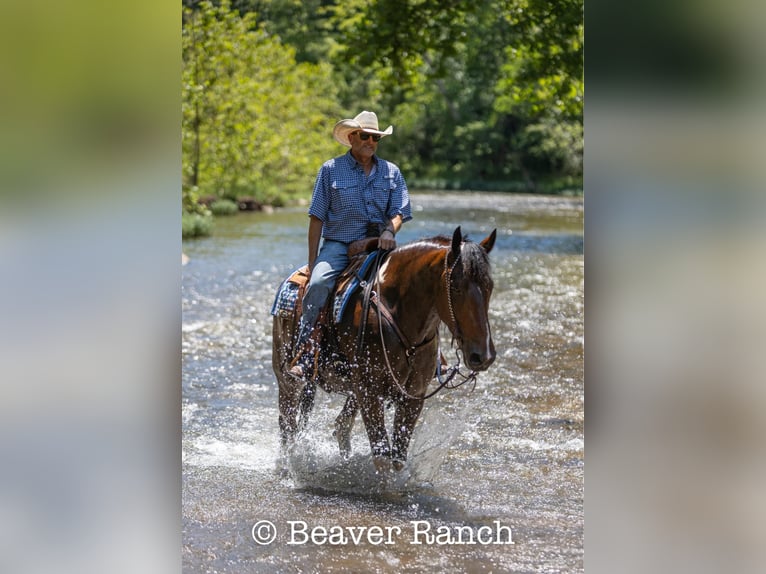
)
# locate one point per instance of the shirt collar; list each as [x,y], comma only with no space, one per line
[356,164]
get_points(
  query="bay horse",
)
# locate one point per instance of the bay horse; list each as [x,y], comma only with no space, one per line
[393,359]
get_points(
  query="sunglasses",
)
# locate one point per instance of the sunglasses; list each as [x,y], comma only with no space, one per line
[364,136]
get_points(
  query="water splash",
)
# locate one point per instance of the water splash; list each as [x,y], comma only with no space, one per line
[210,451]
[315,462]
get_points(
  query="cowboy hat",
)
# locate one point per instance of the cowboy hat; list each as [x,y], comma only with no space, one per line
[365,121]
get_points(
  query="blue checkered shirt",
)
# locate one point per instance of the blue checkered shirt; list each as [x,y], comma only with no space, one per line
[346,200]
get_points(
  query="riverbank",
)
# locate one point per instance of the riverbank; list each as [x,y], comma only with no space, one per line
[201,224]
[568,187]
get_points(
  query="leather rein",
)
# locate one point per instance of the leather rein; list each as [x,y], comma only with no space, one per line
[370,296]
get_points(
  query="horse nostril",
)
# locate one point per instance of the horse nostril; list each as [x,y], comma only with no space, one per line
[479,362]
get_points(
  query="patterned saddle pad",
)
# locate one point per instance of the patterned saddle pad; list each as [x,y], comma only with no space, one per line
[290,292]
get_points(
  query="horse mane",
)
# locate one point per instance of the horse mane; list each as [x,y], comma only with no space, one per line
[476,264]
[475,261]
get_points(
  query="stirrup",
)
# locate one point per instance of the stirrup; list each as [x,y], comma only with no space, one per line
[302,367]
[296,372]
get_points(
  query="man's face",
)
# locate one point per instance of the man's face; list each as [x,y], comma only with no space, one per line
[363,148]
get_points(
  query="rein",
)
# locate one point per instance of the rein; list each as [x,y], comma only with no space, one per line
[409,348]
[367,296]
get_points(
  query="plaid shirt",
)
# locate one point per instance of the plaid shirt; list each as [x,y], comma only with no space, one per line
[346,200]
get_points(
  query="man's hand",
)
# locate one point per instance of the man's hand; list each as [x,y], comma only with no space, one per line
[387,241]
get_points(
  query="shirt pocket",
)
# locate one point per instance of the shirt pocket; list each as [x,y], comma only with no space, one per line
[346,200]
[383,190]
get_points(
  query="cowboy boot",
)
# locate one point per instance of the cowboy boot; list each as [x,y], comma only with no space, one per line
[302,366]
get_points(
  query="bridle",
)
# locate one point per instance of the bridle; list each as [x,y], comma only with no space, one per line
[410,349]
[456,333]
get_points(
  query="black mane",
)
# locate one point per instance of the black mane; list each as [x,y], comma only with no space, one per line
[475,260]
[476,263]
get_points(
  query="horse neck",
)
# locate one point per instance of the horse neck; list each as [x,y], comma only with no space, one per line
[411,288]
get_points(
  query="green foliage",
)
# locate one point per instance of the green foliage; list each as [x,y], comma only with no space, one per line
[297,23]
[224,207]
[195,225]
[190,201]
[483,90]
[542,74]
[552,147]
[482,94]
[253,118]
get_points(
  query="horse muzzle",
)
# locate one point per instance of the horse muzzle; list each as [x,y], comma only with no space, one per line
[480,360]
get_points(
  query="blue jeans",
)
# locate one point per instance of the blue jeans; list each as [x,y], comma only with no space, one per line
[332,259]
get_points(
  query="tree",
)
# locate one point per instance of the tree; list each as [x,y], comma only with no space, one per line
[481,93]
[248,107]
[491,90]
[541,81]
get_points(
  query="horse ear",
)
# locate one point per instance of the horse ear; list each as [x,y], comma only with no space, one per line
[489,241]
[457,239]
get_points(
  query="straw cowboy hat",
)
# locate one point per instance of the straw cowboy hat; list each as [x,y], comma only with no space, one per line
[365,121]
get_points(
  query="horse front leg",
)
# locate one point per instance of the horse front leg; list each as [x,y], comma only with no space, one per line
[288,410]
[307,397]
[343,425]
[407,413]
[374,422]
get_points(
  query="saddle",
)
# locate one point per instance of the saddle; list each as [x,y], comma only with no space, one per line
[358,274]
[289,298]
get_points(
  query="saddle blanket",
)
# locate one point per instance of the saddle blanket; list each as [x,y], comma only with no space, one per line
[288,294]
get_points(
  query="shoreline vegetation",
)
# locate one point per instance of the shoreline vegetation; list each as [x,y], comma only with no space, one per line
[201,222]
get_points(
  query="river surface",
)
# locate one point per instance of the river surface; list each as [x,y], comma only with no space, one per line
[494,479]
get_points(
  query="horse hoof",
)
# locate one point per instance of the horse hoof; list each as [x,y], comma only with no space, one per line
[282,468]
[398,465]
[344,445]
[382,464]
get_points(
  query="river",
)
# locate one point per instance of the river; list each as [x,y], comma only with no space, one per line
[494,482]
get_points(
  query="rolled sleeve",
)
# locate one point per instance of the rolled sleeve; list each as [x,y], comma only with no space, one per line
[400,199]
[320,198]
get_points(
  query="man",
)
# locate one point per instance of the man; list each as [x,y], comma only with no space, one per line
[356,195]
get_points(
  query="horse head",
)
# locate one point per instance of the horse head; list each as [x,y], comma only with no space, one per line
[468,288]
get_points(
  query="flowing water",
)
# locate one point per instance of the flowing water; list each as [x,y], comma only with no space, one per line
[494,480]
